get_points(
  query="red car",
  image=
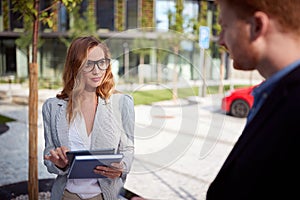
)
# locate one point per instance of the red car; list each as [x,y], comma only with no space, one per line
[239,102]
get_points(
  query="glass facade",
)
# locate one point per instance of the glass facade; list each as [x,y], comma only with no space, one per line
[43,5]
[63,22]
[105,14]
[132,14]
[7,57]
[164,7]
[52,52]
[16,20]
[52,58]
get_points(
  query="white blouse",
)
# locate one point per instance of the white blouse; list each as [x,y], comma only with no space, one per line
[79,140]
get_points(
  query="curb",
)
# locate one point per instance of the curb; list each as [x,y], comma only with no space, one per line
[21,188]
[3,128]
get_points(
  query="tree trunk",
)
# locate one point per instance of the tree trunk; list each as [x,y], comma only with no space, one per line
[33,188]
[159,72]
[33,133]
[141,69]
[175,75]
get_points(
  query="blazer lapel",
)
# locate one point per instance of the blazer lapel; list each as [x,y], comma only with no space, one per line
[103,130]
[62,125]
[276,96]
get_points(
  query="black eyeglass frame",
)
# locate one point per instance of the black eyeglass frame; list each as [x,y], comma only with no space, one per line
[102,64]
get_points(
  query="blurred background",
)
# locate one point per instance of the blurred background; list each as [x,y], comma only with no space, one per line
[151,41]
[162,50]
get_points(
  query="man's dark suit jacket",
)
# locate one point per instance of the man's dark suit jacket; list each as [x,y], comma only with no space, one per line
[264,163]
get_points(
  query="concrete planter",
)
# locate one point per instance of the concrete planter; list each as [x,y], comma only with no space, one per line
[20,190]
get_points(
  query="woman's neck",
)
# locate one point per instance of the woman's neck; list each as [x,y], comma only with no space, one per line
[89,98]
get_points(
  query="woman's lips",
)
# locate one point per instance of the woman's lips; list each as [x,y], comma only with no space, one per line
[96,79]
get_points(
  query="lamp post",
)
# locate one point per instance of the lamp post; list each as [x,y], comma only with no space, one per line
[204,40]
[126,61]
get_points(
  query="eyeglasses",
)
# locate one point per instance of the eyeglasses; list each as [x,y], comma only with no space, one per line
[102,64]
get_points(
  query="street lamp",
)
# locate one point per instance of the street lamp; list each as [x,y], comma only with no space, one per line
[126,61]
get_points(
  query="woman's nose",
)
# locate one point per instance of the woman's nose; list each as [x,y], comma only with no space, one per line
[96,69]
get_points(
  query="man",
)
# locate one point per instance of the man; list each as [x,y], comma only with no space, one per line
[263,164]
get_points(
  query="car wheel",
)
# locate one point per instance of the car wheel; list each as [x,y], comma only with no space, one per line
[239,108]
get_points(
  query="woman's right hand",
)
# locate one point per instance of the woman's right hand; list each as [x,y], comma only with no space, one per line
[58,156]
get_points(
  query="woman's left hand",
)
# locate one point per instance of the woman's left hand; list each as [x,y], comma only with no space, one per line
[114,171]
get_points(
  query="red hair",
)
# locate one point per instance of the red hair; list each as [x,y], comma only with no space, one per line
[76,56]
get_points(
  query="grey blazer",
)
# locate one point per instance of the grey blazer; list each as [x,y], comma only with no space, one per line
[113,128]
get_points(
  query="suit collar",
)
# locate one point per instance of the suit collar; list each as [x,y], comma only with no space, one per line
[279,92]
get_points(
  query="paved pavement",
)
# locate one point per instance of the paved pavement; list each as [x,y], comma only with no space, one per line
[179,146]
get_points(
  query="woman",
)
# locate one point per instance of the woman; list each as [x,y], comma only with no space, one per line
[88,115]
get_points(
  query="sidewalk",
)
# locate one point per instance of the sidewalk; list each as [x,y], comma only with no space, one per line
[18,93]
[169,140]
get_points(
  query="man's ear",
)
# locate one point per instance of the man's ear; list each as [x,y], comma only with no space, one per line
[259,24]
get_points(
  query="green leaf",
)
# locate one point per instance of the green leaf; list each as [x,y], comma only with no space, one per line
[50,23]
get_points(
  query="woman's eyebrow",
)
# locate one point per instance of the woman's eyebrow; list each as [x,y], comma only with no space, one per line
[97,60]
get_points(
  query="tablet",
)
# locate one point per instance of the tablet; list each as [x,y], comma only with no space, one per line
[72,154]
[83,162]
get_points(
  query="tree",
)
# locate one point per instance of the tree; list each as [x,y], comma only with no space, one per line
[200,20]
[162,51]
[177,26]
[32,13]
[120,13]
[207,16]
[25,40]
[142,47]
[81,23]
[147,14]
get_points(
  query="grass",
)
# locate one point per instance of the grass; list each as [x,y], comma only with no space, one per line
[147,97]
[4,119]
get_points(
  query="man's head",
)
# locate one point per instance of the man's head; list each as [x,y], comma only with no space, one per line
[251,29]
[285,12]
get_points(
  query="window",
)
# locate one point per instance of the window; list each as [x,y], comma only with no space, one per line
[43,5]
[63,19]
[163,7]
[105,14]
[16,19]
[7,57]
[132,14]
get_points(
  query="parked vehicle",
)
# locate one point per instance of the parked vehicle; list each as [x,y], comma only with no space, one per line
[238,102]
